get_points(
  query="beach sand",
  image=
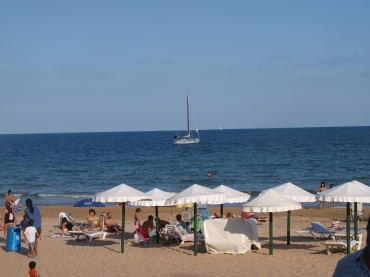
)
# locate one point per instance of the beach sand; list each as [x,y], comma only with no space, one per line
[66,257]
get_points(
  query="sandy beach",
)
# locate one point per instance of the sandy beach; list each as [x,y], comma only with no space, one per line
[67,257]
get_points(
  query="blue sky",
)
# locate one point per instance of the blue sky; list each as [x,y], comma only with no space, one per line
[86,66]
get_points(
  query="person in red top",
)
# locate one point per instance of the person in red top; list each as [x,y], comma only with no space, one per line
[33,272]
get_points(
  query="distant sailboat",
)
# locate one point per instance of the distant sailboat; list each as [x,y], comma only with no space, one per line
[186,139]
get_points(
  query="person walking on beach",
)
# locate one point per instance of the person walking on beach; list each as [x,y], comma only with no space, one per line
[33,272]
[31,234]
[33,212]
[8,218]
[322,188]
[357,263]
[9,198]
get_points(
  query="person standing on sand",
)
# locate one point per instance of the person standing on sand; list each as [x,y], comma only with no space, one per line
[358,263]
[9,198]
[8,218]
[332,203]
[33,212]
[321,189]
[137,218]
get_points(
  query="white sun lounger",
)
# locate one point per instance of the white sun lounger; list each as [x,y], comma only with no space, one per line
[341,244]
[77,235]
[319,229]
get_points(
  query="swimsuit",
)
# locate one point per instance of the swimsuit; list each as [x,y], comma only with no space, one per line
[7,220]
[95,220]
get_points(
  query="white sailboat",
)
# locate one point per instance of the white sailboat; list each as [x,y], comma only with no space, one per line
[186,139]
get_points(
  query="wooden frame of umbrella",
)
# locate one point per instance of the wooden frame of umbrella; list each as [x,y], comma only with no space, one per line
[121,193]
[271,201]
[348,192]
[195,194]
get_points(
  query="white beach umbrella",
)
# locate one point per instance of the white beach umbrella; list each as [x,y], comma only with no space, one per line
[158,198]
[195,194]
[232,196]
[348,192]
[121,193]
[271,201]
[294,193]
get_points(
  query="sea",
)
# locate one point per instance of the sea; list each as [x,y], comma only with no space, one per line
[62,168]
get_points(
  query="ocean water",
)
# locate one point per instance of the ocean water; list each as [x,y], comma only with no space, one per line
[60,169]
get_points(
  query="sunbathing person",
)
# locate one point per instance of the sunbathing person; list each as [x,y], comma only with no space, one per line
[66,224]
[216,215]
[253,215]
[178,218]
[149,224]
[228,215]
[111,224]
[94,221]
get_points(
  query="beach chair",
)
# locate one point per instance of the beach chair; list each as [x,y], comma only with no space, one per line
[203,212]
[318,228]
[80,235]
[341,245]
[187,214]
[17,206]
[169,235]
[360,211]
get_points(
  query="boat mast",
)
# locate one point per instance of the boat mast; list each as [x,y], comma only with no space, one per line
[187,104]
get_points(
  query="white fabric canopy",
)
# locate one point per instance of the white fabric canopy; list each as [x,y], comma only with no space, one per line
[294,193]
[271,201]
[158,197]
[120,193]
[349,192]
[232,195]
[231,236]
[195,194]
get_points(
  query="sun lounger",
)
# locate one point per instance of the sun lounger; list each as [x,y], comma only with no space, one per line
[341,244]
[78,235]
[319,229]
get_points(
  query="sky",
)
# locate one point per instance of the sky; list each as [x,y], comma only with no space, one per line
[96,66]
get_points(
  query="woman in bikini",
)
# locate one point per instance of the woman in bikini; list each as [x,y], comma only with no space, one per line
[94,221]
[137,218]
[8,218]
[322,188]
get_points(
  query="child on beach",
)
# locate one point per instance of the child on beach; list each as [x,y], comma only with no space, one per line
[24,225]
[31,234]
[33,272]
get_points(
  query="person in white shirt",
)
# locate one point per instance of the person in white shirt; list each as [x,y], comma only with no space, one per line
[31,234]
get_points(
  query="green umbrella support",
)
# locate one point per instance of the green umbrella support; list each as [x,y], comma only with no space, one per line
[288,229]
[355,218]
[222,211]
[123,227]
[156,225]
[270,234]
[195,230]
[348,230]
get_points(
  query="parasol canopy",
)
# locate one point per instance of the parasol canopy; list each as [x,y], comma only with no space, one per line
[294,193]
[232,195]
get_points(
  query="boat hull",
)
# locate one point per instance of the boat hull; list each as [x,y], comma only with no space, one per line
[186,141]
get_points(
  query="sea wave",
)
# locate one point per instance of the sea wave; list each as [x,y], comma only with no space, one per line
[64,195]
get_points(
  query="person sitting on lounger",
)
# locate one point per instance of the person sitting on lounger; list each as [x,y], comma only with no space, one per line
[149,224]
[228,215]
[178,218]
[66,224]
[111,224]
[253,215]
[216,215]
[94,221]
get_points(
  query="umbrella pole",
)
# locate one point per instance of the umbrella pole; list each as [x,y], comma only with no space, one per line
[156,225]
[348,230]
[270,234]
[123,227]
[288,229]
[222,211]
[355,218]
[195,230]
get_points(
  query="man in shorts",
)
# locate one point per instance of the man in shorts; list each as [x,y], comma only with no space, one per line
[111,224]
[31,234]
